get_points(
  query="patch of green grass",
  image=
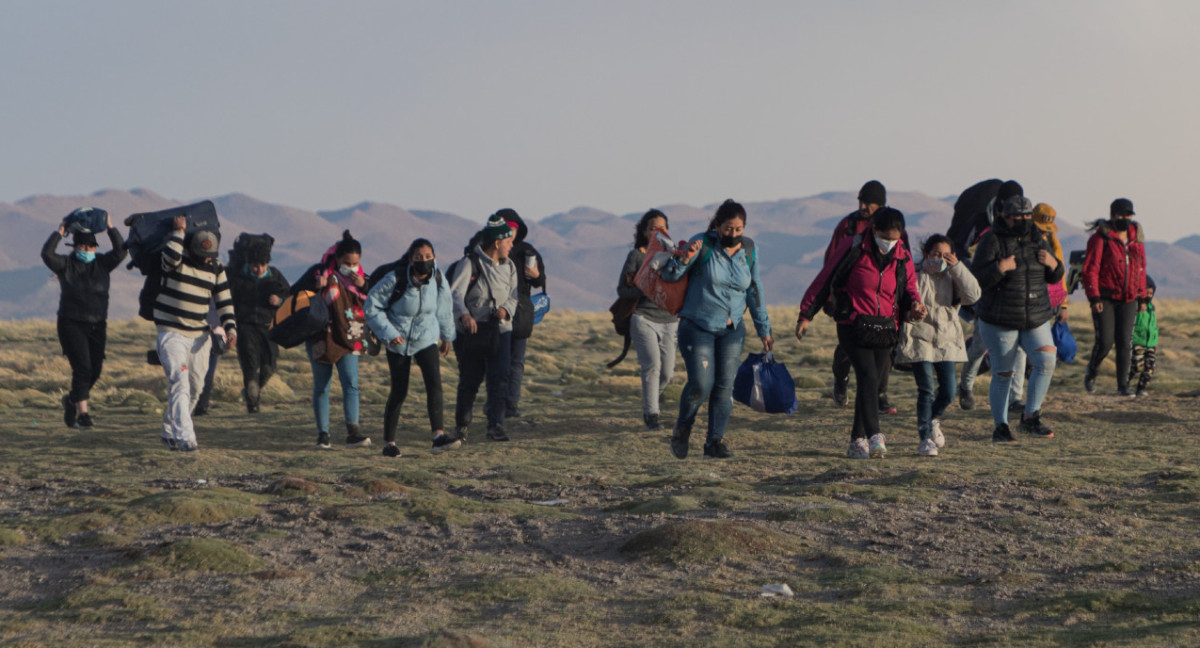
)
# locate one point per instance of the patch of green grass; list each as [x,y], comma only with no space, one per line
[814,513]
[653,506]
[12,537]
[699,541]
[187,507]
[206,554]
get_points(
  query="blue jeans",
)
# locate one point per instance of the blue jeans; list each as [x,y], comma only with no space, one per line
[347,369]
[1002,345]
[712,362]
[930,407]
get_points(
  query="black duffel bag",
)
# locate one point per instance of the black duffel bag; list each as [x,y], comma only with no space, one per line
[485,341]
[300,318]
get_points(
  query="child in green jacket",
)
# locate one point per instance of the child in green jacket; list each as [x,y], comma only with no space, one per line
[1145,342]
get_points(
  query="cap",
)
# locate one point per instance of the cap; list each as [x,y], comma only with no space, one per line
[1043,217]
[1016,206]
[205,244]
[1120,207]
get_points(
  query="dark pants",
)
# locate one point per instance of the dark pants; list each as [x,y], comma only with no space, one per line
[1114,324]
[472,370]
[929,406]
[516,374]
[841,370]
[214,356]
[431,373]
[869,365]
[83,344]
[257,356]
[1142,366]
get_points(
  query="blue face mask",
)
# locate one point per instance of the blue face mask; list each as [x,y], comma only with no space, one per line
[86,257]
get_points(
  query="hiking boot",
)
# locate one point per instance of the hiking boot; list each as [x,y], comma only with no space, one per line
[83,421]
[858,449]
[460,434]
[69,412]
[354,439]
[717,450]
[679,441]
[927,448]
[1016,406]
[877,447]
[884,406]
[323,440]
[1089,382]
[444,442]
[935,433]
[390,450]
[1033,425]
[966,399]
[496,433]
[652,422]
[840,387]
[1002,434]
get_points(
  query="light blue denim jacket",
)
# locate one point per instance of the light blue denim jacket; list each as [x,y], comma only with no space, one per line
[422,316]
[722,288]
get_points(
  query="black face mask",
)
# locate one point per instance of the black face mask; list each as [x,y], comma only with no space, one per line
[730,241]
[422,268]
[1120,224]
[1020,226]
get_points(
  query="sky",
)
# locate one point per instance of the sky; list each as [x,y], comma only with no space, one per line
[467,106]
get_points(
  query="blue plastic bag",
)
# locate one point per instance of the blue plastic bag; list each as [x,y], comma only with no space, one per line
[765,385]
[1064,341]
[541,306]
[87,219]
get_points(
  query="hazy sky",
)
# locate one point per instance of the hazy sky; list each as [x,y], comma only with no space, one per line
[467,106]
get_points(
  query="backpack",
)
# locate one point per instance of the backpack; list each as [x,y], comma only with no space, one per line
[401,270]
[841,274]
[622,318]
[244,243]
[148,235]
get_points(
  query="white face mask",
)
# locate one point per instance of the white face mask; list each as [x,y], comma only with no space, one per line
[935,266]
[348,270]
[885,245]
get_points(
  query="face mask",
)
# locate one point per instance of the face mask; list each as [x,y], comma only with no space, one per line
[422,268]
[1020,226]
[86,257]
[730,241]
[885,246]
[1120,224]
[935,266]
[348,270]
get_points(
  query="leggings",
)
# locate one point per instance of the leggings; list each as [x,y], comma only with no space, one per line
[431,372]
[1114,325]
[869,366]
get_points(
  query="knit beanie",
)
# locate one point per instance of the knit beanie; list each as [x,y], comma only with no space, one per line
[873,193]
[1043,217]
[497,228]
[83,238]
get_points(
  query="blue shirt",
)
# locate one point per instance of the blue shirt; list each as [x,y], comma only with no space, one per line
[423,315]
[721,287]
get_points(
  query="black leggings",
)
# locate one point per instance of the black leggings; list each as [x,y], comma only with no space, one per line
[83,344]
[869,365]
[431,372]
[841,369]
[1114,323]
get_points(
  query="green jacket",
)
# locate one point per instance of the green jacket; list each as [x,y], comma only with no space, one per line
[1145,327]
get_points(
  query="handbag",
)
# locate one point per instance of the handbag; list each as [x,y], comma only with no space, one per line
[622,319]
[667,295]
[875,331]
[299,319]
[1064,341]
[485,340]
[765,385]
[541,306]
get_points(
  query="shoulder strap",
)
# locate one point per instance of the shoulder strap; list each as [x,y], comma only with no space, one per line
[841,273]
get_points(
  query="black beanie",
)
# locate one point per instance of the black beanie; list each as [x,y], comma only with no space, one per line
[1150,284]
[1007,190]
[873,193]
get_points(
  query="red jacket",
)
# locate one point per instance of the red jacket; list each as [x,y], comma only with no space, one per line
[1114,270]
[872,290]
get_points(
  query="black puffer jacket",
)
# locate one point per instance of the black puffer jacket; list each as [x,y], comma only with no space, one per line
[1017,299]
[252,296]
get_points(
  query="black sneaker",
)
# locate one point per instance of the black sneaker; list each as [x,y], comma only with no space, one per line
[652,422]
[884,406]
[390,450]
[839,392]
[69,411]
[444,442]
[1089,382]
[1033,425]
[1002,434]
[84,421]
[966,399]
[717,450]
[497,434]
[679,442]
[323,440]
[354,439]
[460,434]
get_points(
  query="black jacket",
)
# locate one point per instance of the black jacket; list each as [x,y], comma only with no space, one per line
[252,296]
[84,295]
[523,318]
[1017,299]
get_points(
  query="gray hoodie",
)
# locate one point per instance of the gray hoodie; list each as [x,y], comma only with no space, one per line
[500,276]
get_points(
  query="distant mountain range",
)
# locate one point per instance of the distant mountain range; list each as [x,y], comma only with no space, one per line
[583,248]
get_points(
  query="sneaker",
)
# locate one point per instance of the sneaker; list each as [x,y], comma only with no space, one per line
[717,450]
[354,438]
[884,406]
[1089,382]
[323,440]
[858,449]
[1140,392]
[878,446]
[444,442]
[84,421]
[652,422]
[966,399]
[1016,406]
[1002,434]
[169,442]
[460,433]
[390,450]
[839,392]
[935,433]
[1033,425]
[679,442]
[185,446]
[69,411]
[1125,392]
[927,448]
[497,434]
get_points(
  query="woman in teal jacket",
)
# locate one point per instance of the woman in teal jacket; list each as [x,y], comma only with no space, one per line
[724,281]
[411,310]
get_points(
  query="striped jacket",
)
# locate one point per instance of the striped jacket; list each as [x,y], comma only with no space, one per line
[183,300]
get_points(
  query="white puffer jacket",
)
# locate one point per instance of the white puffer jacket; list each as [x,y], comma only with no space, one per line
[939,337]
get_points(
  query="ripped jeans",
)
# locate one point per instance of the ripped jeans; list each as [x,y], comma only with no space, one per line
[1002,345]
[712,361]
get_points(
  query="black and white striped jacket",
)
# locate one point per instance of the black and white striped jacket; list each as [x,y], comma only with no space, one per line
[183,300]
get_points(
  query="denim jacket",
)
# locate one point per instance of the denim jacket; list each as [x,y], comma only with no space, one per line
[422,316]
[721,288]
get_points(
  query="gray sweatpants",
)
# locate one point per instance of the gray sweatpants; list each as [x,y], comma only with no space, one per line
[655,346]
[185,362]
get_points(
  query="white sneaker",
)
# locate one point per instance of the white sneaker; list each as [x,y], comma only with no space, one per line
[928,448]
[858,450]
[935,433]
[878,447]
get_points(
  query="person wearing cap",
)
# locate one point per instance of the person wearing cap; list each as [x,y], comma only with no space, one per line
[871,198]
[1114,280]
[192,277]
[483,285]
[82,311]
[1014,264]
[258,288]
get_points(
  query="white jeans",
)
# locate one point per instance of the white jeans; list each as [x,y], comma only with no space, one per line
[185,362]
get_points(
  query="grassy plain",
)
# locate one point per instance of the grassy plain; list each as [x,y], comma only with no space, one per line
[583,530]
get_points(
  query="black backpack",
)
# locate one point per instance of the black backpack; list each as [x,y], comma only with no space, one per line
[401,269]
[841,274]
[244,244]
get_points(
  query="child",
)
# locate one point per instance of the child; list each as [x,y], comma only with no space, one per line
[1145,342]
